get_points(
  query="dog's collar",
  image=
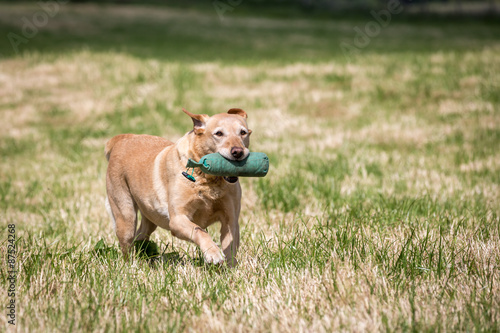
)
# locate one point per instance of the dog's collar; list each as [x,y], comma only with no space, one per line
[231,180]
[189,176]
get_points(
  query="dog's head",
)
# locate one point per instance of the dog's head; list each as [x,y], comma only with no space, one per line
[224,133]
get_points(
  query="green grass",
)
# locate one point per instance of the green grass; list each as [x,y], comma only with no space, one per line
[380,211]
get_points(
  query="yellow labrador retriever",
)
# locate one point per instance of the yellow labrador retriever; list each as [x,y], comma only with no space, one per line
[145,174]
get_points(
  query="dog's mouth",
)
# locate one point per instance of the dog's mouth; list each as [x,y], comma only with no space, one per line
[231,180]
[230,157]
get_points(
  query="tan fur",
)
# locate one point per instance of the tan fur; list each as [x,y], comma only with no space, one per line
[145,174]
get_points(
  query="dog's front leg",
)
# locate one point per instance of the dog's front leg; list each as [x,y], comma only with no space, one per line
[181,227]
[230,239]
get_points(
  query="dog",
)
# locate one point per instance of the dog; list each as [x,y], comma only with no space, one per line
[145,173]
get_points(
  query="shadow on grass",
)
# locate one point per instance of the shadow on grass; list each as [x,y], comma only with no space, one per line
[149,251]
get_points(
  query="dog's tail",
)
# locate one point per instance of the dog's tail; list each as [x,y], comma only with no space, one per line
[110,144]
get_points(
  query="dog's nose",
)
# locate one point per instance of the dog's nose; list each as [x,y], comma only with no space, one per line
[237,152]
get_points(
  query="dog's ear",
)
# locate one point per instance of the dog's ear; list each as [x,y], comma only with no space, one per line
[239,112]
[199,121]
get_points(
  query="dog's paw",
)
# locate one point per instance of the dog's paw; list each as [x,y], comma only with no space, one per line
[214,255]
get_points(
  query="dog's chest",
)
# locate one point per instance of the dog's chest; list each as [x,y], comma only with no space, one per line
[209,201]
[210,194]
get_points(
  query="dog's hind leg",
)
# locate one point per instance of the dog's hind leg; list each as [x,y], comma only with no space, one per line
[145,229]
[125,215]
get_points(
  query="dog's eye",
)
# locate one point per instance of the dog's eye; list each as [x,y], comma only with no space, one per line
[219,133]
[243,132]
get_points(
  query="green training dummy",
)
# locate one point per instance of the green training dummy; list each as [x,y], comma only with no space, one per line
[255,165]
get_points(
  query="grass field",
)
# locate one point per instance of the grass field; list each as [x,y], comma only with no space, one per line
[380,211]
